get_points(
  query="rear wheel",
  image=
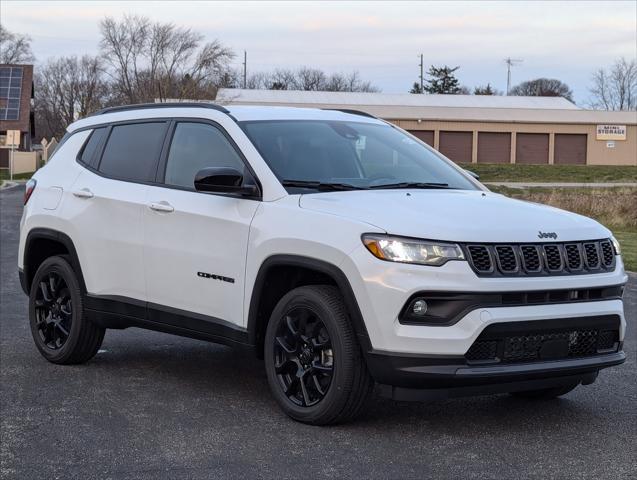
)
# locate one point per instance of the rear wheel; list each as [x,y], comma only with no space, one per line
[313,361]
[61,331]
[545,393]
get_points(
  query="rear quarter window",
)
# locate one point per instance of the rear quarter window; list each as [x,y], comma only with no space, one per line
[132,151]
[88,153]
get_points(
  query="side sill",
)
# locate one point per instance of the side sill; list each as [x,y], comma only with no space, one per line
[120,313]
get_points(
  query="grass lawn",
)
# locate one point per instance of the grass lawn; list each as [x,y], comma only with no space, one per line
[4,175]
[628,241]
[615,208]
[553,173]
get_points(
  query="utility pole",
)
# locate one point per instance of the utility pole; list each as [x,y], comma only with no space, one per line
[245,69]
[511,62]
[422,84]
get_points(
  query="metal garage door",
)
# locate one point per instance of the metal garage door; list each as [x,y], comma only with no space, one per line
[426,136]
[532,148]
[570,149]
[494,147]
[457,146]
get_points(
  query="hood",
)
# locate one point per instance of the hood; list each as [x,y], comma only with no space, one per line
[456,215]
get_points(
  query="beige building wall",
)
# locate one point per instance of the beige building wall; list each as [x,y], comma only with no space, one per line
[597,152]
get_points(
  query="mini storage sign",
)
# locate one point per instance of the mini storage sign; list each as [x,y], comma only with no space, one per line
[611,132]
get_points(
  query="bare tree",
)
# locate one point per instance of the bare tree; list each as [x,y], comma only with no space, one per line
[282,79]
[307,78]
[310,79]
[342,82]
[543,87]
[160,60]
[68,88]
[616,88]
[14,47]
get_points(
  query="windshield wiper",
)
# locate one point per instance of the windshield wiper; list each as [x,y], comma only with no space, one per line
[411,185]
[322,186]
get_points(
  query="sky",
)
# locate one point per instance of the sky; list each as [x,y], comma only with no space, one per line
[381,40]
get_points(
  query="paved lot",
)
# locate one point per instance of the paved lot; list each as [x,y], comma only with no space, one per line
[153,406]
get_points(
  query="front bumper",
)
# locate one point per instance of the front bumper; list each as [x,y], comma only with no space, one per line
[426,378]
[383,288]
[506,357]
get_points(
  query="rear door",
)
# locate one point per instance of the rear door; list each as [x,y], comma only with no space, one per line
[195,242]
[106,206]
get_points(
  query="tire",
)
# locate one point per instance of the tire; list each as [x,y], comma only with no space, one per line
[59,326]
[334,344]
[545,393]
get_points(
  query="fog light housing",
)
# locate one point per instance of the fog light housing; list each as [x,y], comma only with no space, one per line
[419,307]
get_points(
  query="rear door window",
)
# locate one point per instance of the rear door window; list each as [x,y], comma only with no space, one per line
[132,151]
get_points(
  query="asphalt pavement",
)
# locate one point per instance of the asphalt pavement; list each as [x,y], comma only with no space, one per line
[151,405]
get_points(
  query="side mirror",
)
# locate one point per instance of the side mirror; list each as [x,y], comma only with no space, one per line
[473,174]
[223,180]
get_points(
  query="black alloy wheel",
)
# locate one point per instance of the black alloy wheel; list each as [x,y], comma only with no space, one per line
[53,311]
[313,361]
[303,357]
[59,325]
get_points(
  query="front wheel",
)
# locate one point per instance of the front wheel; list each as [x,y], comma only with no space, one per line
[312,358]
[59,327]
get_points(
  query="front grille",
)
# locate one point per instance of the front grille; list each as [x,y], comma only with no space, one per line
[553,257]
[539,346]
[480,258]
[485,350]
[542,259]
[607,340]
[591,255]
[607,253]
[531,259]
[573,256]
[507,260]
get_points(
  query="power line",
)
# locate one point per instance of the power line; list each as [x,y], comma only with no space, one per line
[511,62]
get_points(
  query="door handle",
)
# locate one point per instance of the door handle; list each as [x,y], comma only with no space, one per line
[162,207]
[83,193]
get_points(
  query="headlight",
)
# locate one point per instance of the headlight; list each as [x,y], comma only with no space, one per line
[616,246]
[411,250]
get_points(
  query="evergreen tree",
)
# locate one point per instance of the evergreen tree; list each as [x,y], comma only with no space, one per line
[442,80]
[416,88]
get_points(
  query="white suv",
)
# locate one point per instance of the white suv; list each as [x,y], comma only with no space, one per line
[338,247]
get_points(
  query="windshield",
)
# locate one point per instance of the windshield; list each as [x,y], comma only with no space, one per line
[324,155]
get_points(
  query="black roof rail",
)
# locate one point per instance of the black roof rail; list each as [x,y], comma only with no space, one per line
[143,106]
[352,112]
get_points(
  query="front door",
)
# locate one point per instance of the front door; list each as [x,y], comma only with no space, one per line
[195,242]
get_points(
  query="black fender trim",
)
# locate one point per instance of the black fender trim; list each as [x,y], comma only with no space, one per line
[23,281]
[321,266]
[55,235]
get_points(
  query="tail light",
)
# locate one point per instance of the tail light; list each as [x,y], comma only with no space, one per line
[30,187]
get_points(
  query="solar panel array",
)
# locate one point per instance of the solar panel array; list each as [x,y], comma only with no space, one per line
[10,92]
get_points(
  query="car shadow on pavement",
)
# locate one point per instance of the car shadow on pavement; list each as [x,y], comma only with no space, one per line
[193,374]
